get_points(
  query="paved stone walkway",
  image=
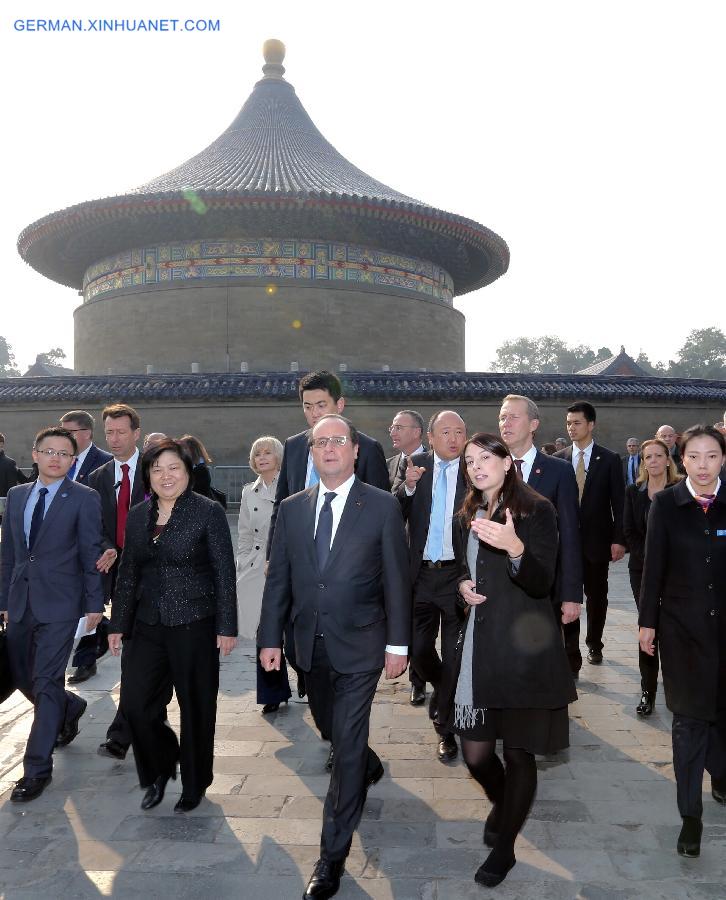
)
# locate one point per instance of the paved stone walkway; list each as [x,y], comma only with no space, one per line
[604,823]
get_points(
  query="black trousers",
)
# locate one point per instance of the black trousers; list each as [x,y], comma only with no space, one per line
[119,730]
[570,638]
[647,664]
[188,655]
[434,609]
[272,687]
[697,746]
[39,653]
[595,584]
[343,705]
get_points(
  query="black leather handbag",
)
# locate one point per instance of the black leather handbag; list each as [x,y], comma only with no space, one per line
[6,678]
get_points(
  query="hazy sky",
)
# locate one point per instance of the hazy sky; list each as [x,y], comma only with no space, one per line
[590,136]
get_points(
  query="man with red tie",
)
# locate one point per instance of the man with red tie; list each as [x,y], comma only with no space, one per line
[120,485]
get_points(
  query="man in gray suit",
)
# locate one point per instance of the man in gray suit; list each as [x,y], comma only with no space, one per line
[51,539]
[339,573]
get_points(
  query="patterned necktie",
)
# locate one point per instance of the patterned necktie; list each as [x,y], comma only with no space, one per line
[518,464]
[580,474]
[123,501]
[37,519]
[435,543]
[324,532]
[705,501]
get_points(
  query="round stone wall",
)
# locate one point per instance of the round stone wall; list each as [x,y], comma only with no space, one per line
[220,323]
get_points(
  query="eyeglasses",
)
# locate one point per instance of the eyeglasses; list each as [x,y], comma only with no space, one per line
[338,440]
[75,430]
[392,428]
[61,454]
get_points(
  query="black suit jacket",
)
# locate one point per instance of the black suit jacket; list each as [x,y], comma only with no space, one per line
[189,570]
[601,507]
[370,467]
[102,480]
[8,474]
[683,595]
[95,458]
[361,601]
[555,480]
[417,508]
[635,523]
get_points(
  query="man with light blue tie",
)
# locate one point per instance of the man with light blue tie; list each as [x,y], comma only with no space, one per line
[430,496]
[631,460]
[51,540]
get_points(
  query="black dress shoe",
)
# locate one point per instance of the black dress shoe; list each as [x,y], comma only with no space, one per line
[494,869]
[594,657]
[418,696]
[271,708]
[70,729]
[375,776]
[82,673]
[113,749]
[491,834]
[155,794]
[187,804]
[718,792]
[689,840]
[329,760]
[447,749]
[29,788]
[433,704]
[301,689]
[645,707]
[325,880]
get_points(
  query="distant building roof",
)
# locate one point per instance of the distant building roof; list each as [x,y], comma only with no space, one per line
[621,364]
[270,174]
[383,386]
[43,368]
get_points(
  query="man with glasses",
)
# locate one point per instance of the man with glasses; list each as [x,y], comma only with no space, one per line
[406,432]
[338,568]
[91,647]
[51,541]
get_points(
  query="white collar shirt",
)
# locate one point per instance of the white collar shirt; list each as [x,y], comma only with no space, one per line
[118,474]
[576,455]
[527,462]
[337,504]
[80,459]
[694,493]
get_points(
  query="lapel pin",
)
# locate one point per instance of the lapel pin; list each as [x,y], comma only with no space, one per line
[64,495]
[538,471]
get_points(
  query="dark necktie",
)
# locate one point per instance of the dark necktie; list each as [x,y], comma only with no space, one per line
[633,469]
[37,519]
[72,470]
[518,464]
[324,533]
[123,501]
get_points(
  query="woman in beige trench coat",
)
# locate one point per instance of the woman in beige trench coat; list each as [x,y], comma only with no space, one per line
[255,511]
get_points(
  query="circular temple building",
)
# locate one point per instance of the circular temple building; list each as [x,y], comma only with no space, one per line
[266,250]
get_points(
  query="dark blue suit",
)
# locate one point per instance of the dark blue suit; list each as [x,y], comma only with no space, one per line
[95,458]
[45,592]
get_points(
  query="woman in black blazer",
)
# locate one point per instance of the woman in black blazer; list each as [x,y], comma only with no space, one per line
[683,596]
[514,680]
[175,595]
[657,471]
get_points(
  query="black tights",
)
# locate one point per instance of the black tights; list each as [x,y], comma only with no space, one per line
[510,791]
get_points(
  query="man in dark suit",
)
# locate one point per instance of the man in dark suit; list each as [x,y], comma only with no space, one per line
[406,432]
[555,480]
[80,424]
[9,473]
[339,571]
[432,492]
[669,436]
[51,541]
[631,461]
[599,477]
[121,486]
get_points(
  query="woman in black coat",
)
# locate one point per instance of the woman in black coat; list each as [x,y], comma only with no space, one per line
[175,595]
[657,471]
[514,680]
[683,597]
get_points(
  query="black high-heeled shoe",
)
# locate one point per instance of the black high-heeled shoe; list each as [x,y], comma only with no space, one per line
[155,793]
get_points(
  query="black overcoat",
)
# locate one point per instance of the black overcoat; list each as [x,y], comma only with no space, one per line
[519,660]
[683,596]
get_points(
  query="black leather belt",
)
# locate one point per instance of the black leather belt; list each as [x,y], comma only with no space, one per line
[439,564]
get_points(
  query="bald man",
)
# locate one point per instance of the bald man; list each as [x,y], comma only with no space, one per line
[669,436]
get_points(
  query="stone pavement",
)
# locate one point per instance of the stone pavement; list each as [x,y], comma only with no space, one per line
[604,823]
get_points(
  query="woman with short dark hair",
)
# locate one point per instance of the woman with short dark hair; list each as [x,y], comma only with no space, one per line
[175,595]
[683,599]
[514,679]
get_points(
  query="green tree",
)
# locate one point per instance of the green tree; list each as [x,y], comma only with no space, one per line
[703,355]
[7,360]
[546,354]
[53,357]
[657,368]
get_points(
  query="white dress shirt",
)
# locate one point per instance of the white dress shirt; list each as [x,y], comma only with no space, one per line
[118,474]
[694,493]
[576,455]
[527,462]
[337,505]
[308,473]
[80,459]
[452,475]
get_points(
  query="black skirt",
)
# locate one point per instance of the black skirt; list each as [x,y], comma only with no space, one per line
[540,731]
